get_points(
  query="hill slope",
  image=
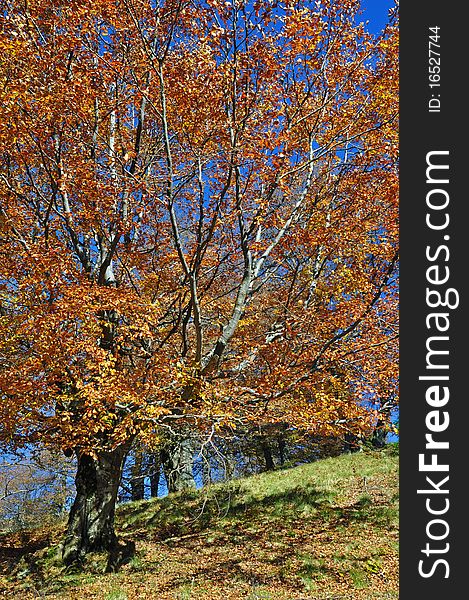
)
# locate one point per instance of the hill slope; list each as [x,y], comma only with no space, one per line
[327,530]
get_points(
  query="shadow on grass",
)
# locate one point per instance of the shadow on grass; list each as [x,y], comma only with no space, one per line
[220,515]
[191,513]
[18,546]
[243,516]
[255,533]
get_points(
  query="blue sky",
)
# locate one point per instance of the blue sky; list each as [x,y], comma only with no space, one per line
[376,12]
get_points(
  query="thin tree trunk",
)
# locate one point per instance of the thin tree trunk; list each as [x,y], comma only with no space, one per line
[137,483]
[91,520]
[154,475]
[206,471]
[269,460]
[281,449]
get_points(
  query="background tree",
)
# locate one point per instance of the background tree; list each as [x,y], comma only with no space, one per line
[198,226]
[142,473]
[36,488]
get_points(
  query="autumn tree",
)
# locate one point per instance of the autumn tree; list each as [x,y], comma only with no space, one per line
[198,226]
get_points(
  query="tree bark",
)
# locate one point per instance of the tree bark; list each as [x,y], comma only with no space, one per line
[351,443]
[177,461]
[281,449]
[269,459]
[378,439]
[206,471]
[154,475]
[91,520]
[137,483]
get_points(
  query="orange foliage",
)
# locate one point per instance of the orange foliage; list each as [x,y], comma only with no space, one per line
[198,217]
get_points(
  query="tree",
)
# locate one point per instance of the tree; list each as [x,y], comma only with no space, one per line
[141,474]
[198,225]
[35,488]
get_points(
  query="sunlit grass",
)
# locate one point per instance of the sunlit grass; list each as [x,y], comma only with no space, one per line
[319,529]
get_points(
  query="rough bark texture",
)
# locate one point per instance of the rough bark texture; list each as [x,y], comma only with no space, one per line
[91,520]
[177,461]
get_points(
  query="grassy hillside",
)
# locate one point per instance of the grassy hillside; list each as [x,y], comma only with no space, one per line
[327,530]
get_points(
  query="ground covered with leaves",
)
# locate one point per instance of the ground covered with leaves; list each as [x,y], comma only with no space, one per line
[322,531]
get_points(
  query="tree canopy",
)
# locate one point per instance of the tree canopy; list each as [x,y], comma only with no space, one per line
[198,219]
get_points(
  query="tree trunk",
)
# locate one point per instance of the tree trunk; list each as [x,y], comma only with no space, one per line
[351,443]
[177,459]
[91,520]
[229,466]
[154,475]
[206,471]
[269,459]
[137,483]
[378,439]
[281,449]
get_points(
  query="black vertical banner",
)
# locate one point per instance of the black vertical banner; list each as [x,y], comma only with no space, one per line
[434,357]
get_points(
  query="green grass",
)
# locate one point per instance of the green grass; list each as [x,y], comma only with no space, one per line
[359,579]
[259,593]
[308,489]
[321,529]
[116,595]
